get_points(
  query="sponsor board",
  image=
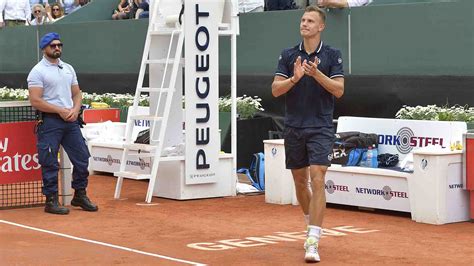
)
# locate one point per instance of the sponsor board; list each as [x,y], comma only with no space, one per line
[108,160]
[398,136]
[18,154]
[202,91]
[373,191]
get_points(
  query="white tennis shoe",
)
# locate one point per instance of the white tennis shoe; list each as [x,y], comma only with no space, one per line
[311,247]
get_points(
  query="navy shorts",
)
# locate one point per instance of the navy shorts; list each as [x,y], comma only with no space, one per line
[308,146]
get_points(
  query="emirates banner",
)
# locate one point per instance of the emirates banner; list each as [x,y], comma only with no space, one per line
[18,154]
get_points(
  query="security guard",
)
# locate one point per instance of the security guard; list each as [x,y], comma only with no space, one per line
[55,92]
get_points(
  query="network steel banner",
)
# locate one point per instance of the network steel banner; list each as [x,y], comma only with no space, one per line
[368,190]
[398,136]
[18,155]
[202,89]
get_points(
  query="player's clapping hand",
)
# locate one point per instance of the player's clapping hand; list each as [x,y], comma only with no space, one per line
[298,70]
[310,68]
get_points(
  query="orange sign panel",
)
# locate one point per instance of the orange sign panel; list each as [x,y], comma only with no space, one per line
[101,115]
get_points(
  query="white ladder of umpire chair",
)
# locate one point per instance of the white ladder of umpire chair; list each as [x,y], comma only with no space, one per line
[159,118]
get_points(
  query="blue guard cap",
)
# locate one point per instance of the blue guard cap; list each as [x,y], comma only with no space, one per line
[48,38]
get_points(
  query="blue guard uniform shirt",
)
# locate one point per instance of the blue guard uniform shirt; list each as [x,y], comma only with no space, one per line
[308,104]
[56,81]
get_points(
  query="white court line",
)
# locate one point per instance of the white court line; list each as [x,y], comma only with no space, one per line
[103,244]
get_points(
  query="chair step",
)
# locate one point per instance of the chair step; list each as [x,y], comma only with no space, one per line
[163,61]
[146,89]
[224,26]
[226,33]
[142,154]
[171,158]
[162,159]
[132,175]
[146,117]
[225,29]
[165,31]
[139,146]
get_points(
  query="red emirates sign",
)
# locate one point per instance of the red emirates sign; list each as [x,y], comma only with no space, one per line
[18,154]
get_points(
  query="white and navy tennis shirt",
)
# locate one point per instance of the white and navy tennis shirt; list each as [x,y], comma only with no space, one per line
[308,104]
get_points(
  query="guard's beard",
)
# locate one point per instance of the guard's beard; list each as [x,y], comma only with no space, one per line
[55,55]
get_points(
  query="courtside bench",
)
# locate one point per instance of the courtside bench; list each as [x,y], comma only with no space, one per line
[433,193]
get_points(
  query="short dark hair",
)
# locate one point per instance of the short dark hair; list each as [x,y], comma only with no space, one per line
[318,10]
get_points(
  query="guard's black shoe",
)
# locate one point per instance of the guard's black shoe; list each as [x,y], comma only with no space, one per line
[52,205]
[80,199]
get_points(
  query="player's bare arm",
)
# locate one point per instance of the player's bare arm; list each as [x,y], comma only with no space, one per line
[282,85]
[334,86]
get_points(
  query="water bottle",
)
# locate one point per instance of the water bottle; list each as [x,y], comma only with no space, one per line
[374,162]
[369,157]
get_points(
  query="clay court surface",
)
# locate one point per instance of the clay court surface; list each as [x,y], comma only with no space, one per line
[241,230]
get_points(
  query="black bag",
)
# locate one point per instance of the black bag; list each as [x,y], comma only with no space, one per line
[143,137]
[350,148]
[387,160]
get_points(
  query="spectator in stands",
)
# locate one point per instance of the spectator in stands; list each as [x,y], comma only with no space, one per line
[143,10]
[16,12]
[39,14]
[82,3]
[44,2]
[57,12]
[342,3]
[299,4]
[310,76]
[69,6]
[126,9]
[54,91]
[246,6]
[280,5]
[122,11]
